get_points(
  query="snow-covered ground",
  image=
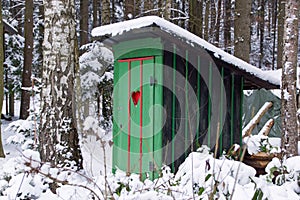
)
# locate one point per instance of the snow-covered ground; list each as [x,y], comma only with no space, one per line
[201,176]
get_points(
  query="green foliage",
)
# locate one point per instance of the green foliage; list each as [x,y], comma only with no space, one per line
[258,195]
[120,188]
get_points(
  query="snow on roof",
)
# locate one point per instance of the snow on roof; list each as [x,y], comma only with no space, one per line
[122,27]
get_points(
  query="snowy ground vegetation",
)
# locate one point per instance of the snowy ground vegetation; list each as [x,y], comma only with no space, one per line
[201,176]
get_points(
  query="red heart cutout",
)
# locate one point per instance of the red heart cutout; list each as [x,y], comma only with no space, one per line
[135,97]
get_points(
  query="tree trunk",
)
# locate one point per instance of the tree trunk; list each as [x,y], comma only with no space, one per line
[28,48]
[227,26]
[105,13]
[261,32]
[274,25]
[289,77]
[167,12]
[96,8]
[84,22]
[129,9]
[148,6]
[213,19]
[281,14]
[58,138]
[242,29]
[218,23]
[2,155]
[206,22]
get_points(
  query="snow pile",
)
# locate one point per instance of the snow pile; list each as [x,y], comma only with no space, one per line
[260,143]
[200,176]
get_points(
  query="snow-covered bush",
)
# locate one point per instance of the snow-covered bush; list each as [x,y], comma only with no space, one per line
[260,143]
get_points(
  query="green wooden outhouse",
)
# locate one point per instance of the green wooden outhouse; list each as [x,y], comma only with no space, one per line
[172,93]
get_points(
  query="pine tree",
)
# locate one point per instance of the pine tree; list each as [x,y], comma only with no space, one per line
[58,136]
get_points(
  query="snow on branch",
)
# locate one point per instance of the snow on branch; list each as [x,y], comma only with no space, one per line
[248,129]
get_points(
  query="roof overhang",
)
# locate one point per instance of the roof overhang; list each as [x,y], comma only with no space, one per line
[254,78]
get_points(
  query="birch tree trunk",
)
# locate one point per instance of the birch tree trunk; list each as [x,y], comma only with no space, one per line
[58,137]
[28,48]
[289,77]
[2,155]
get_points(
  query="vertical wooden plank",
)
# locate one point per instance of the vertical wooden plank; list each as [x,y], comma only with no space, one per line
[186,134]
[121,156]
[241,109]
[199,99]
[148,119]
[158,115]
[209,104]
[174,108]
[221,113]
[232,110]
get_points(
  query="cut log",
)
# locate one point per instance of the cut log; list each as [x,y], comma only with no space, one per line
[266,128]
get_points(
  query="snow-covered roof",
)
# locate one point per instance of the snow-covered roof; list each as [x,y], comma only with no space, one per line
[126,26]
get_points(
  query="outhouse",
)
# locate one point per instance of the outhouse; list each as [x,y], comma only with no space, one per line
[173,92]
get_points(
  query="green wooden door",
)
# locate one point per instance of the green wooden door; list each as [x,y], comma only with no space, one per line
[137,116]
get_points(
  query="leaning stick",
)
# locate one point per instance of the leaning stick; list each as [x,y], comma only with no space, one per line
[250,126]
[266,128]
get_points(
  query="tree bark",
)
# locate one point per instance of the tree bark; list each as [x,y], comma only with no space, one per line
[148,6]
[58,138]
[227,26]
[84,22]
[242,29]
[261,32]
[129,9]
[206,20]
[289,138]
[280,27]
[28,57]
[105,13]
[218,23]
[96,8]
[2,155]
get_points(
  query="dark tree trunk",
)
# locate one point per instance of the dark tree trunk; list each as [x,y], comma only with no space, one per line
[84,22]
[28,48]
[129,9]
[96,9]
[2,155]
[281,14]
